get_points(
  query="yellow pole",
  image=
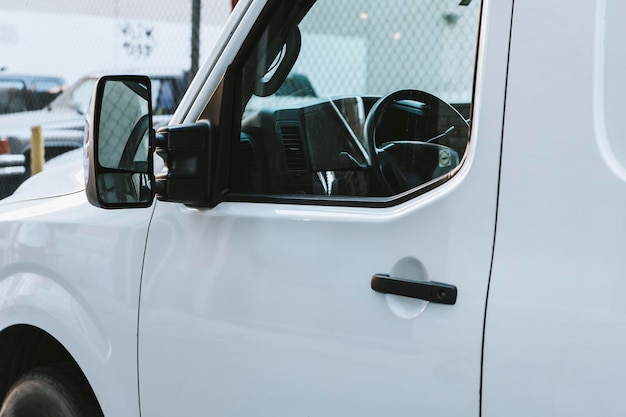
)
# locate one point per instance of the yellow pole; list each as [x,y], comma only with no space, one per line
[37,155]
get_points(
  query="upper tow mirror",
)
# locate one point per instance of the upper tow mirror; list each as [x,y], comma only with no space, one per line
[119,151]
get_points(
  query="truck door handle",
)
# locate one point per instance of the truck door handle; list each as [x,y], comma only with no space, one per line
[435,292]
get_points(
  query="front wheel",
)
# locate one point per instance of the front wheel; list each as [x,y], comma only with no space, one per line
[50,392]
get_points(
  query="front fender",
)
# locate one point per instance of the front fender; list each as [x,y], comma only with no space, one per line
[74,271]
[43,300]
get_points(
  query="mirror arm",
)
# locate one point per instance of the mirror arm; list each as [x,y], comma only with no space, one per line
[187,152]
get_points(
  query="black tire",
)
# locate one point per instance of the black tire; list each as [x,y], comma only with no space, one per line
[50,392]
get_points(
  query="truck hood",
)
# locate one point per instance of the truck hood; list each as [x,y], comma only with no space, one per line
[62,175]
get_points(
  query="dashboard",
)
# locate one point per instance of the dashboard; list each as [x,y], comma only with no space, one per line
[319,146]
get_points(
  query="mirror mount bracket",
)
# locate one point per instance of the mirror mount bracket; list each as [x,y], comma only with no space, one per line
[190,157]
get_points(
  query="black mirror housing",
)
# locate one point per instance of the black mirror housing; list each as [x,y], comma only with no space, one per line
[119,143]
[190,153]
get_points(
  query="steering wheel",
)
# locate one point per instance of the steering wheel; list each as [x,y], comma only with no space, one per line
[127,160]
[402,150]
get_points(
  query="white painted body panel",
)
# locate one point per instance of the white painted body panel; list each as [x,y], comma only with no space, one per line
[247,305]
[63,175]
[556,321]
[74,271]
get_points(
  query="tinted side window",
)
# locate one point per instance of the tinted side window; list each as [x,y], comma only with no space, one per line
[167,93]
[356,99]
[12,97]
[47,85]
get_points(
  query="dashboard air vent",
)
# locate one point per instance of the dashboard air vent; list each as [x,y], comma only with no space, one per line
[292,143]
[248,153]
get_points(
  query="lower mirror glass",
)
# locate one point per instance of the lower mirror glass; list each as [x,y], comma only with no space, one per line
[118,188]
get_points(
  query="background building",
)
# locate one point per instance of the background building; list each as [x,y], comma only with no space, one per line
[70,38]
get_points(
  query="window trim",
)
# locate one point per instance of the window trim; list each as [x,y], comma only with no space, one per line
[346,201]
[232,119]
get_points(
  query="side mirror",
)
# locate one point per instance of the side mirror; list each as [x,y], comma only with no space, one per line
[119,143]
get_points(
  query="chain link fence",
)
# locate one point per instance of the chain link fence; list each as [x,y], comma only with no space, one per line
[70,38]
[374,47]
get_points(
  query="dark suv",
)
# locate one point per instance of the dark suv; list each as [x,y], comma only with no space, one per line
[20,93]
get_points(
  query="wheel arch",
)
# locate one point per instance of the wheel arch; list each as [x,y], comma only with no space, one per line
[24,348]
[45,321]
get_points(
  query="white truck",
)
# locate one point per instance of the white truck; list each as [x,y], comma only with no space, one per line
[429,222]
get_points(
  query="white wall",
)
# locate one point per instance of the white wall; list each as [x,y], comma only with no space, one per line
[71,45]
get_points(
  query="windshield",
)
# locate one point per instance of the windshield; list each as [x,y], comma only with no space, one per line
[76,97]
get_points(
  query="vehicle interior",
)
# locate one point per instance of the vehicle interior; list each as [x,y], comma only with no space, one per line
[293,141]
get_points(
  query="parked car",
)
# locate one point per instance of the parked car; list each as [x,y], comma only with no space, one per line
[20,93]
[63,120]
[68,109]
[15,168]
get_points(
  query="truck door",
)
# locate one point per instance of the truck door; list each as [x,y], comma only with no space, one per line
[556,320]
[345,272]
